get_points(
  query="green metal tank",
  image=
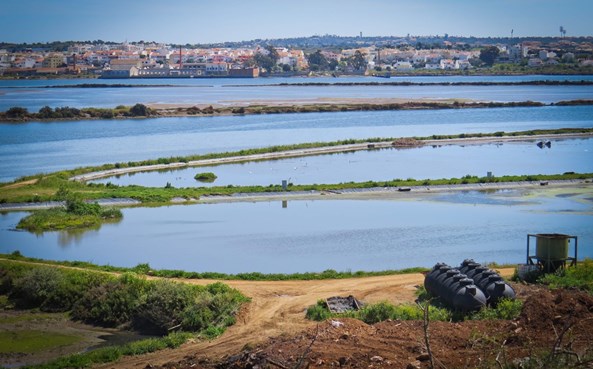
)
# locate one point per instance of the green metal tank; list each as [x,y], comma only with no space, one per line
[551,246]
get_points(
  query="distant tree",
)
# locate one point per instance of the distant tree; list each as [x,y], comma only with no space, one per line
[272,53]
[333,64]
[264,61]
[358,61]
[45,112]
[16,112]
[489,54]
[286,67]
[317,61]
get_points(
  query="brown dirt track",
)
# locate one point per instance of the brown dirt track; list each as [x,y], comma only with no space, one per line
[399,344]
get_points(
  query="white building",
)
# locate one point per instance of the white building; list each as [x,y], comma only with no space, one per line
[403,66]
[462,64]
[447,64]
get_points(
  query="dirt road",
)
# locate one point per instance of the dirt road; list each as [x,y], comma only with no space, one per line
[278,308]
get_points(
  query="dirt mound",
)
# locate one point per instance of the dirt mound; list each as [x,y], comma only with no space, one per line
[556,306]
[551,320]
[407,142]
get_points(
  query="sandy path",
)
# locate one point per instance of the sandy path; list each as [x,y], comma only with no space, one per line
[21,184]
[278,308]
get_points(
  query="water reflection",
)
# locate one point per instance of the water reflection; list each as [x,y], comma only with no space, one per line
[485,197]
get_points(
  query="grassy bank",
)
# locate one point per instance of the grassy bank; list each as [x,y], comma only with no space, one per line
[153,196]
[128,301]
[145,269]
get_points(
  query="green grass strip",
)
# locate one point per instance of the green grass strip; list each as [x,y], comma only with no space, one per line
[145,269]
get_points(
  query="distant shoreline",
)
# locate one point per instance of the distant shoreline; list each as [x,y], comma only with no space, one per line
[257,107]
[445,73]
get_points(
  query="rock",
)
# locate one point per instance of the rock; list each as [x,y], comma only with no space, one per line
[414,365]
[423,357]
[337,324]
[377,359]
[343,360]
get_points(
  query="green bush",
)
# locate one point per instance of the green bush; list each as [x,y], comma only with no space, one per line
[51,289]
[506,309]
[198,315]
[139,110]
[372,314]
[36,287]
[205,177]
[111,304]
[150,306]
[580,276]
[79,207]
[163,306]
[318,312]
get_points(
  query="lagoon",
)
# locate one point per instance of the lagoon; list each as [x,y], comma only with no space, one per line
[36,147]
[34,94]
[314,235]
[432,162]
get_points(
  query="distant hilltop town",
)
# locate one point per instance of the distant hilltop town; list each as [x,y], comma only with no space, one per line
[152,60]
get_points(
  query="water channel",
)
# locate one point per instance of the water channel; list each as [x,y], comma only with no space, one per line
[314,235]
[36,147]
[511,158]
[33,94]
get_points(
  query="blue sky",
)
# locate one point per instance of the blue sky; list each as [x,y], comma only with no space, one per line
[204,21]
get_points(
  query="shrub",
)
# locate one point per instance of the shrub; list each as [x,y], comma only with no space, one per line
[162,307]
[198,316]
[205,177]
[50,289]
[110,304]
[139,110]
[45,112]
[580,277]
[377,313]
[79,207]
[318,312]
[17,112]
[36,286]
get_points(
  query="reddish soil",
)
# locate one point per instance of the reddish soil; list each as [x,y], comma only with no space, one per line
[551,320]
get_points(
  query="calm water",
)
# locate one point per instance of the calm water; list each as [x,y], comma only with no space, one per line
[277,80]
[32,95]
[317,235]
[386,164]
[31,148]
